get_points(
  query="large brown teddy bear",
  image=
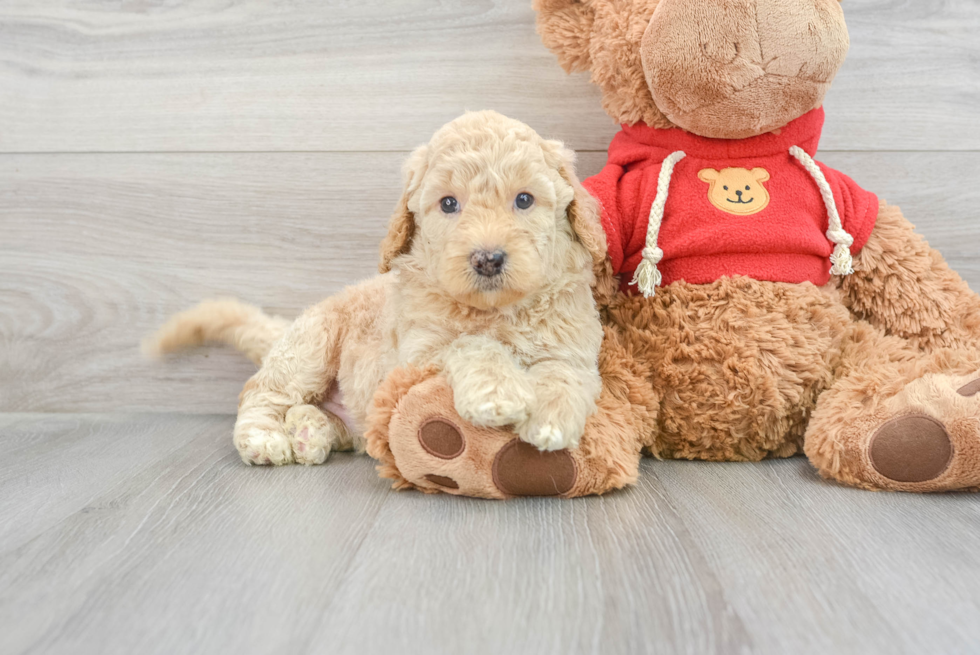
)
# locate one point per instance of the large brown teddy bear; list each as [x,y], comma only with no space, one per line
[766,304]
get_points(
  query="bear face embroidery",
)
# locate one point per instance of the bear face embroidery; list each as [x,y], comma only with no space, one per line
[737,190]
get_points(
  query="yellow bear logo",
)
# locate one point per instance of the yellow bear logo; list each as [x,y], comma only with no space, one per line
[737,190]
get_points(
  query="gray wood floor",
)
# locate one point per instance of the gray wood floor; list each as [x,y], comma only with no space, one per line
[156,153]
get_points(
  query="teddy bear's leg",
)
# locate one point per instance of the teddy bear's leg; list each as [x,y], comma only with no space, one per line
[421,441]
[906,288]
[436,450]
[897,419]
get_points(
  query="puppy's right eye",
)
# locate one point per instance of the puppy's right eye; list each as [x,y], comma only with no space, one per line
[449,205]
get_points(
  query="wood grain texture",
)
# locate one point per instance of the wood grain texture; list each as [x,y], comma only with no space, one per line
[99,249]
[851,567]
[173,545]
[213,75]
[156,560]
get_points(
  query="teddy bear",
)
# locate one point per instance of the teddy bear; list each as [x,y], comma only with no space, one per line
[755,303]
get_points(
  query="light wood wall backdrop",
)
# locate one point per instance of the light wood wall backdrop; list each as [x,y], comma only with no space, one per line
[155,154]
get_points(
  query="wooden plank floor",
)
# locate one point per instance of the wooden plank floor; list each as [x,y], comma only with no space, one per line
[154,153]
[146,534]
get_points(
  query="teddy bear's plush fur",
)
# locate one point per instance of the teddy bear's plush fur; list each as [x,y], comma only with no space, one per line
[874,375]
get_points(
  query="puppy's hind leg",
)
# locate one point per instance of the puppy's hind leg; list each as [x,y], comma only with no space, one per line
[300,368]
[313,433]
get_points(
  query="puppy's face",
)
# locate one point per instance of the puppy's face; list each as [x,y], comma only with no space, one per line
[490,212]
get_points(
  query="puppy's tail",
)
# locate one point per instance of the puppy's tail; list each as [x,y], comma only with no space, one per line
[231,322]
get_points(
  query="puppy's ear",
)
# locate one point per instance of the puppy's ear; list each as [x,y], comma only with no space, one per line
[401,228]
[583,213]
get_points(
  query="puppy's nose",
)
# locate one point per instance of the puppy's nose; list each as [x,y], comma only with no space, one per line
[486,263]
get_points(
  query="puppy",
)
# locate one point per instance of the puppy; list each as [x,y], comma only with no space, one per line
[487,274]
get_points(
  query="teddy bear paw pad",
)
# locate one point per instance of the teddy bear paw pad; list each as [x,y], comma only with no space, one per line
[520,469]
[969,389]
[442,481]
[912,448]
[441,439]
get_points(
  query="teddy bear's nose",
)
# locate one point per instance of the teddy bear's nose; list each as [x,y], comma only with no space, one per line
[739,193]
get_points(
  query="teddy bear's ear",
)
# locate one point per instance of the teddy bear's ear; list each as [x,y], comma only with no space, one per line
[760,174]
[401,228]
[565,27]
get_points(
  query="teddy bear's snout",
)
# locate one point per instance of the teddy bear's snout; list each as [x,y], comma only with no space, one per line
[730,70]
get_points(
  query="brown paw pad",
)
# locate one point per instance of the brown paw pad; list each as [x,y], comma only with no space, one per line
[520,469]
[970,388]
[442,481]
[913,448]
[441,439]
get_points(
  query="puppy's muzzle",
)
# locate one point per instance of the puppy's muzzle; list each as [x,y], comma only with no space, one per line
[487,263]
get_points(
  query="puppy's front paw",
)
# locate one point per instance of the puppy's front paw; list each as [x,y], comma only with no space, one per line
[548,436]
[257,446]
[501,405]
[494,413]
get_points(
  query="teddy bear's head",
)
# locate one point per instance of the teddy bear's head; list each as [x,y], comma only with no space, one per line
[727,69]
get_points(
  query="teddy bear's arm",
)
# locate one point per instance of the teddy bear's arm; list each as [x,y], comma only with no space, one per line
[905,287]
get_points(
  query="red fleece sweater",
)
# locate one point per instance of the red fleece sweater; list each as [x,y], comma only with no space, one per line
[717,220]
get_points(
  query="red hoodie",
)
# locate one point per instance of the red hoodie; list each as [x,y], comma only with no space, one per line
[734,207]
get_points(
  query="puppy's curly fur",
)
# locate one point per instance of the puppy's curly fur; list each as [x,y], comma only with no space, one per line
[519,347]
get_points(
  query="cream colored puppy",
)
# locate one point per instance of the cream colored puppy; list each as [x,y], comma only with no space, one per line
[487,274]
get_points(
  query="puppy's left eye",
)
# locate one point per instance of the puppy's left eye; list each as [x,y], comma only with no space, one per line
[523,200]
[449,205]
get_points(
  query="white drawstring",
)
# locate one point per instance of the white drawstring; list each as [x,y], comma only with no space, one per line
[841,260]
[646,277]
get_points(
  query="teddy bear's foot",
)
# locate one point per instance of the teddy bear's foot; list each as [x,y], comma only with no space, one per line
[436,450]
[925,438]
[517,469]
[938,441]
[421,442]
[911,448]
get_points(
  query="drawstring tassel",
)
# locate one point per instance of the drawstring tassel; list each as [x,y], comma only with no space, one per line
[841,261]
[647,276]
